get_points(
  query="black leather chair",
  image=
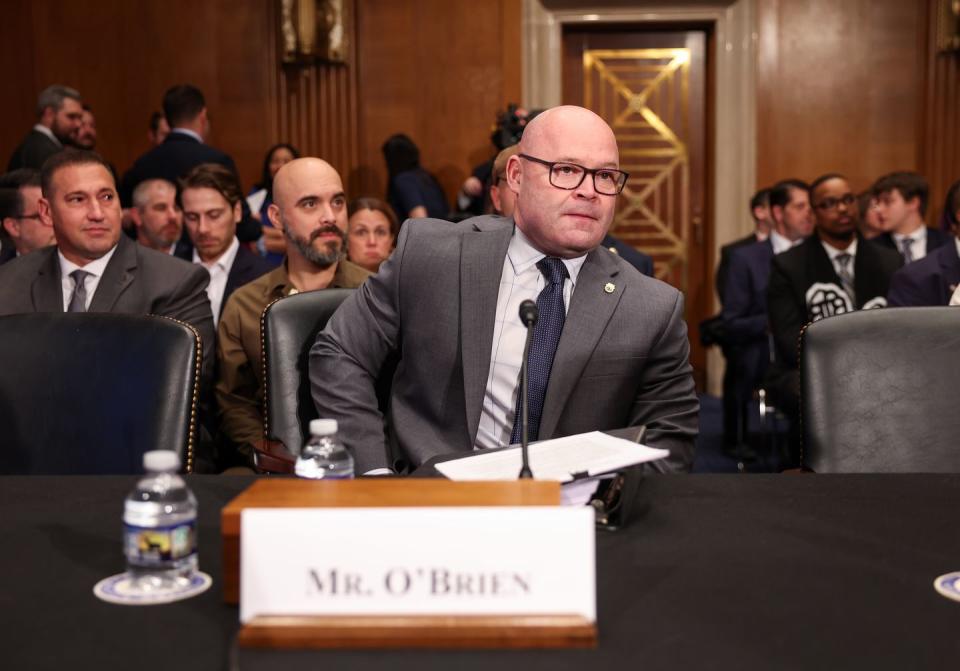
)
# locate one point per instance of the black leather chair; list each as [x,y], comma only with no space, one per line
[879,391]
[288,328]
[89,393]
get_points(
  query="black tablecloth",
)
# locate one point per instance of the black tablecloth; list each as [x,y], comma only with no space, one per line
[718,572]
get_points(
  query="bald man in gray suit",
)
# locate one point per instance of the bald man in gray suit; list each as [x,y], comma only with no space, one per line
[446,305]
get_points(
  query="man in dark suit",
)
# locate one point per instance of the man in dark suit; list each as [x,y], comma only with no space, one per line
[210,199]
[183,149]
[744,313]
[19,214]
[609,351]
[901,207]
[832,272]
[933,279]
[763,224]
[95,268]
[59,116]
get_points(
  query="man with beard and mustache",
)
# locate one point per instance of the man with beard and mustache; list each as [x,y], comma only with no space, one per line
[157,217]
[59,116]
[210,198]
[833,271]
[310,207]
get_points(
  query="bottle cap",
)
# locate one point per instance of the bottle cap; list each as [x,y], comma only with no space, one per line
[323,427]
[161,460]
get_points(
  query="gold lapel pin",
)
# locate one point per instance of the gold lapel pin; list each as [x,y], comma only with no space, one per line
[609,287]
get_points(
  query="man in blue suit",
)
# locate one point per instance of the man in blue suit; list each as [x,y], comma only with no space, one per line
[933,279]
[744,314]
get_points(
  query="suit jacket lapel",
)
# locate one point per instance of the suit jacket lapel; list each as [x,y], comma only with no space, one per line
[949,268]
[868,281]
[116,277]
[238,272]
[46,291]
[590,309]
[481,265]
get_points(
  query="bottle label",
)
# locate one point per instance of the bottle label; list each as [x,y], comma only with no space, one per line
[158,546]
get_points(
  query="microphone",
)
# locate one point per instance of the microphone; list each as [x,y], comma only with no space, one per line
[528,317]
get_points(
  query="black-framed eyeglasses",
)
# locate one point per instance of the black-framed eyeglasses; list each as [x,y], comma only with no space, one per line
[569,176]
[832,203]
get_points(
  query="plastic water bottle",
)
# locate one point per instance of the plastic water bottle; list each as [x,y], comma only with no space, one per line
[324,456]
[160,526]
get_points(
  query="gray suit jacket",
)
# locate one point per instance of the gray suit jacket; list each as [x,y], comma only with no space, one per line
[137,280]
[622,360]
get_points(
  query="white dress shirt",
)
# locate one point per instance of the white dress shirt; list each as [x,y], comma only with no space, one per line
[219,270]
[918,244]
[833,253]
[520,280]
[781,243]
[91,281]
[40,128]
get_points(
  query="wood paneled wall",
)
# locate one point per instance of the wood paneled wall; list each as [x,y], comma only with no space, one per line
[840,87]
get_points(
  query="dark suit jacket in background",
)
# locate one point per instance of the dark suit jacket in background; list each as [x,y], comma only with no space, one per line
[793,272]
[136,281]
[622,359]
[172,159]
[929,281]
[725,252]
[33,151]
[935,239]
[744,313]
[630,254]
[246,267]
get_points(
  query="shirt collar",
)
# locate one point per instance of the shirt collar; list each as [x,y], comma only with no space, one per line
[782,243]
[40,128]
[523,254]
[225,261]
[190,133]
[833,252]
[95,268]
[919,235]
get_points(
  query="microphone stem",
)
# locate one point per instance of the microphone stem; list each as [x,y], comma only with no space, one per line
[525,472]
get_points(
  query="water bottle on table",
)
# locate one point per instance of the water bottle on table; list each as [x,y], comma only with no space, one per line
[324,457]
[160,527]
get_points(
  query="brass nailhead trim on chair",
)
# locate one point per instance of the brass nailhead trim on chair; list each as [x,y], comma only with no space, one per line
[195,394]
[263,364]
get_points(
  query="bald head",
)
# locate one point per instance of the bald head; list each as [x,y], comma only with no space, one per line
[569,220]
[298,174]
[310,207]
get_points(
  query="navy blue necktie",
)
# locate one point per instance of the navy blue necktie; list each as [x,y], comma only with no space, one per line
[546,335]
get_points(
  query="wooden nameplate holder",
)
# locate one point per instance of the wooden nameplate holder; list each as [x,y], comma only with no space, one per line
[371,631]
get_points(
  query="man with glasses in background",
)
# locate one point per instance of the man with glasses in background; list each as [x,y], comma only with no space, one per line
[833,271]
[19,215]
[609,349]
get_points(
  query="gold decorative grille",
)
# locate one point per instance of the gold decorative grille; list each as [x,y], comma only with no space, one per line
[644,95]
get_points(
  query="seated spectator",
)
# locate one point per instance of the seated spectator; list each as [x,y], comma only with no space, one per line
[20,197]
[902,205]
[744,312]
[932,280]
[870,224]
[210,198]
[59,115]
[182,150]
[311,209]
[762,224]
[86,135]
[95,268]
[157,217]
[272,245]
[832,272]
[158,129]
[371,233]
[411,191]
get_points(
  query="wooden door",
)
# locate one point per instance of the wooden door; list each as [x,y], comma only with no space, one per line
[650,86]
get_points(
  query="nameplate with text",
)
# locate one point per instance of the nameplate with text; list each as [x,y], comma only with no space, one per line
[527,560]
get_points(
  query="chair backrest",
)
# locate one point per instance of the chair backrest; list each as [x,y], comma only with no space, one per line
[89,393]
[289,327]
[879,391]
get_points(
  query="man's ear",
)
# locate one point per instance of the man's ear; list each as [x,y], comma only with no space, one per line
[12,227]
[134,214]
[43,209]
[513,173]
[237,212]
[273,214]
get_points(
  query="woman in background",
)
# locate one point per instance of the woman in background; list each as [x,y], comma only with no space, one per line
[371,232]
[411,191]
[272,245]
